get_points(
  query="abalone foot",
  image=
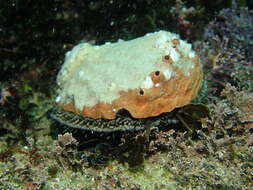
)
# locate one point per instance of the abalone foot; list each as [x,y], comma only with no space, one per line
[123,122]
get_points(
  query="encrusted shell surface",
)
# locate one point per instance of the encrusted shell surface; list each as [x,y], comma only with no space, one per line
[146,76]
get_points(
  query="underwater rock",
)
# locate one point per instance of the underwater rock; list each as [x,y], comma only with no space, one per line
[146,76]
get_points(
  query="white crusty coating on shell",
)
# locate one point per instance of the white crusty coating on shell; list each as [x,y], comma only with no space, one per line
[94,74]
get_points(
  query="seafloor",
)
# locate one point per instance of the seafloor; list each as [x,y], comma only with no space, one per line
[209,147]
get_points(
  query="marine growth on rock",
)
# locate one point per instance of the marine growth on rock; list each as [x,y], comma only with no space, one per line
[146,76]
